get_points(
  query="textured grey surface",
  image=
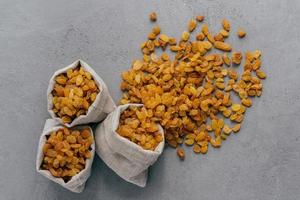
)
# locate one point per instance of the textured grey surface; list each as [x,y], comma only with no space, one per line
[39,37]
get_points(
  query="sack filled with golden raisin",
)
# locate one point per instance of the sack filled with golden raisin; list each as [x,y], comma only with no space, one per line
[77,95]
[65,155]
[129,142]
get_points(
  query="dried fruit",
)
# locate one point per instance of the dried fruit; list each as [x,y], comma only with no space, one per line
[172,41]
[222,46]
[164,38]
[136,125]
[217,142]
[175,48]
[241,33]
[153,16]
[210,38]
[156,30]
[200,18]
[236,107]
[256,54]
[185,36]
[247,102]
[201,136]
[200,36]
[226,25]
[224,33]
[256,64]
[192,25]
[185,93]
[205,29]
[226,59]
[226,129]
[73,93]
[66,151]
[236,128]
[260,74]
[204,149]
[197,148]
[180,153]
[151,36]
[237,57]
[219,37]
[189,142]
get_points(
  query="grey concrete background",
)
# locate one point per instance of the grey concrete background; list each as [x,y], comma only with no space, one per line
[39,37]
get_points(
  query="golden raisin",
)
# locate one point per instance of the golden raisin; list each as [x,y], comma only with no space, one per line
[153,16]
[66,154]
[192,25]
[237,57]
[200,18]
[185,36]
[241,33]
[222,46]
[236,128]
[180,153]
[200,36]
[236,107]
[226,25]
[197,148]
[260,74]
[156,30]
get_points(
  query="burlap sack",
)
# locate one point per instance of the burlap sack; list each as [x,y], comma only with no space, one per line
[102,106]
[126,158]
[77,182]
